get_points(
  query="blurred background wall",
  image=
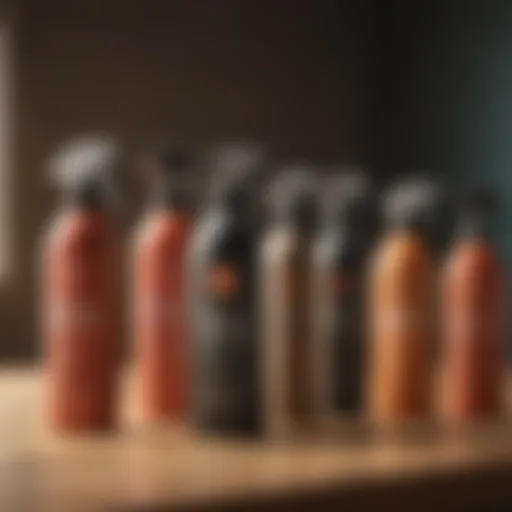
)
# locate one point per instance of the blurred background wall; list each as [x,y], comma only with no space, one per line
[388,85]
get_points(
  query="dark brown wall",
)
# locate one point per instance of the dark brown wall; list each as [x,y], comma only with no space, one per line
[290,73]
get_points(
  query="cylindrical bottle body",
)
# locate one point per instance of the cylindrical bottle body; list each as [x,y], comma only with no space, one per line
[285,324]
[472,328]
[159,317]
[224,325]
[80,320]
[337,297]
[399,316]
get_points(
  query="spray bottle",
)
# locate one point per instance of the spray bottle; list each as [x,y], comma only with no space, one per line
[473,316]
[339,263]
[399,308]
[81,302]
[223,315]
[285,282]
[159,285]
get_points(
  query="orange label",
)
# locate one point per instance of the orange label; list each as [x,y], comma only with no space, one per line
[76,314]
[224,281]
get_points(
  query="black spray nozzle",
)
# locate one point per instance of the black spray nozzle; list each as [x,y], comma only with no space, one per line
[416,203]
[176,158]
[478,212]
[86,168]
[171,168]
[236,172]
[292,194]
[169,156]
[480,201]
[349,198]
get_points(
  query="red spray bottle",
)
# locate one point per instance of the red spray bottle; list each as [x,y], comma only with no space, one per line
[159,286]
[80,290]
[473,317]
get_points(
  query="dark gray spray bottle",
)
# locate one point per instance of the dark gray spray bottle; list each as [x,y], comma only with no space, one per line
[222,285]
[339,260]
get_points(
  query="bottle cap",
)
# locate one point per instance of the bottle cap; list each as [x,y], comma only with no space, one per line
[85,168]
[236,174]
[480,201]
[292,195]
[414,203]
[171,168]
[478,211]
[349,198]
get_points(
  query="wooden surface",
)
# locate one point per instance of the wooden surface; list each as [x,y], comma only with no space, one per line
[169,467]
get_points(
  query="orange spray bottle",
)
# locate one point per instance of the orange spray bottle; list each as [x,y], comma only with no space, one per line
[159,286]
[80,285]
[472,317]
[399,309]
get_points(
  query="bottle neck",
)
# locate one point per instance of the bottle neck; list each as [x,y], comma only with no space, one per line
[170,207]
[80,203]
[474,228]
[71,210]
[356,233]
[87,195]
[303,226]
[407,232]
[165,196]
[298,217]
[166,212]
[414,226]
[230,212]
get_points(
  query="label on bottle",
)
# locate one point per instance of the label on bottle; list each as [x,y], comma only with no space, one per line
[75,314]
[161,311]
[224,282]
[402,320]
[468,324]
[227,356]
